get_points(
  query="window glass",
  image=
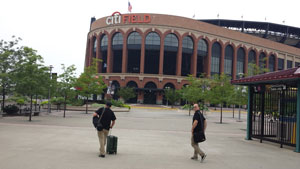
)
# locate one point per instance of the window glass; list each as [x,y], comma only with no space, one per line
[228,60]
[280,64]
[215,58]
[187,42]
[202,48]
[117,39]
[240,62]
[134,38]
[152,39]
[171,40]
[272,63]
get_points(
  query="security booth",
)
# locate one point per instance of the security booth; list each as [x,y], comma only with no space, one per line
[274,107]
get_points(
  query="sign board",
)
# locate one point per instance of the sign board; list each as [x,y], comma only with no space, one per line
[278,87]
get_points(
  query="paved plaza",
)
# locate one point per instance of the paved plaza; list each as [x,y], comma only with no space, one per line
[149,138]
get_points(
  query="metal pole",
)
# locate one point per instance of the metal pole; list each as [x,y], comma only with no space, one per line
[49,109]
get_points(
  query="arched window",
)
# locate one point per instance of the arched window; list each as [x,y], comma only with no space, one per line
[272,63]
[262,60]
[134,52]
[152,40]
[201,54]
[104,42]
[117,47]
[240,62]
[103,47]
[134,40]
[187,52]
[251,62]
[228,60]
[170,54]
[94,47]
[187,45]
[171,42]
[117,42]
[152,52]
[215,58]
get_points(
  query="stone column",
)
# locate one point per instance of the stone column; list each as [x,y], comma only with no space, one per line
[142,61]
[179,58]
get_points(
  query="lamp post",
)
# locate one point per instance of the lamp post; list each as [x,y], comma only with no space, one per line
[49,91]
[167,88]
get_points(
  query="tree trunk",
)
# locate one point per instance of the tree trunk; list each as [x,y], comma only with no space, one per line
[86,106]
[239,112]
[3,98]
[221,114]
[30,108]
[233,111]
[35,102]
[65,105]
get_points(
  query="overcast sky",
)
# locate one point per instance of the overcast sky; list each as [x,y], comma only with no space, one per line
[58,29]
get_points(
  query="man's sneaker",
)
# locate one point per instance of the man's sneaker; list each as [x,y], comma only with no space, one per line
[103,156]
[194,158]
[202,158]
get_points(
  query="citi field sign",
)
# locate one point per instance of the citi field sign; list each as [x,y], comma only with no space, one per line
[117,18]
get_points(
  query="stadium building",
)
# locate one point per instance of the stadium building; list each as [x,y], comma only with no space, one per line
[151,52]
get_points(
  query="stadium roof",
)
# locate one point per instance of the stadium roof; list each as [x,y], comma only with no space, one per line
[276,32]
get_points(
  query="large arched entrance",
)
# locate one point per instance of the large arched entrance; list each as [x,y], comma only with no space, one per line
[133,85]
[115,87]
[150,93]
[167,86]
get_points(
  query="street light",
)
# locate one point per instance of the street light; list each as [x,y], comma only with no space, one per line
[49,109]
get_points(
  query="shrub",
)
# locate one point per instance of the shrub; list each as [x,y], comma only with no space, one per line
[127,106]
[117,103]
[76,102]
[44,102]
[11,109]
[187,107]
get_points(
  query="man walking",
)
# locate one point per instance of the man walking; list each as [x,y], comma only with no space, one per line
[108,121]
[196,127]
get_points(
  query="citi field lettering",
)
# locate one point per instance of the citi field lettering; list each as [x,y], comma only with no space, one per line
[117,18]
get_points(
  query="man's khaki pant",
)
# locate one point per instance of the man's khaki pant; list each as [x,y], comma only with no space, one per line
[102,140]
[196,147]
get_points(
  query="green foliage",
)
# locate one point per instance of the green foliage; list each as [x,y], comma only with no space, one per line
[11,109]
[57,100]
[127,106]
[254,69]
[117,103]
[96,105]
[89,82]
[126,93]
[44,102]
[197,90]
[20,101]
[172,95]
[10,54]
[76,102]
[221,90]
[187,107]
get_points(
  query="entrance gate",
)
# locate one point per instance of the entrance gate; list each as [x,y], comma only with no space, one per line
[274,115]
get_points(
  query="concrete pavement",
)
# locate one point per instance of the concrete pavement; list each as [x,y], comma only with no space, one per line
[148,138]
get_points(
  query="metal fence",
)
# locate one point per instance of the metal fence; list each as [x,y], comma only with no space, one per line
[274,116]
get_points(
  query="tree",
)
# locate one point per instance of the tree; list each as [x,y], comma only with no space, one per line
[31,76]
[254,69]
[126,93]
[221,91]
[66,82]
[10,54]
[241,97]
[89,82]
[196,91]
[172,95]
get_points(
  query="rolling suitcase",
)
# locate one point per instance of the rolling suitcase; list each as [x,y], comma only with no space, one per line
[112,144]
